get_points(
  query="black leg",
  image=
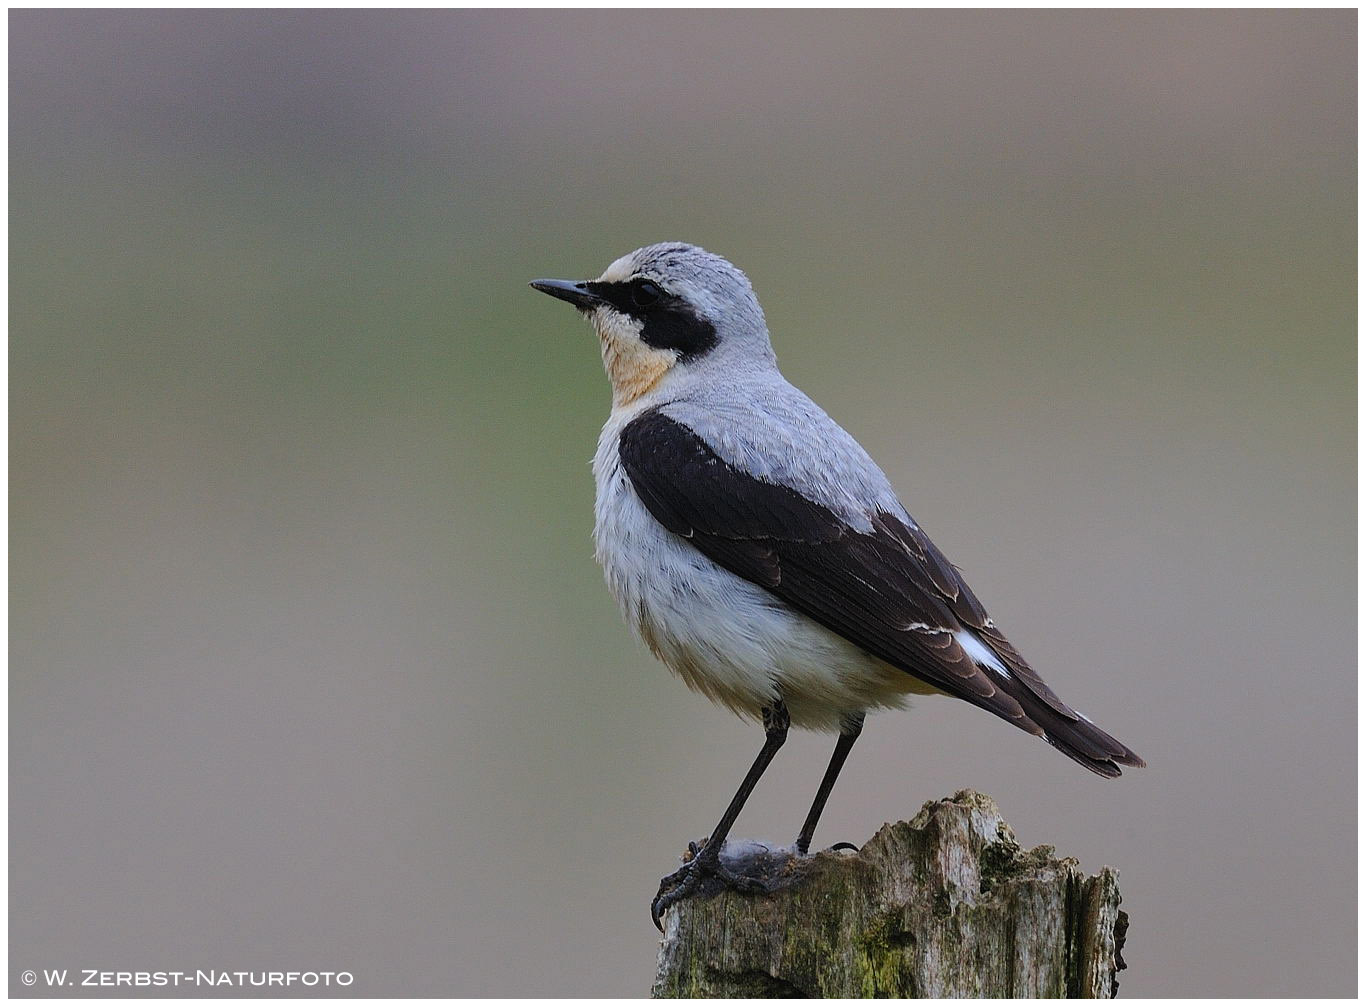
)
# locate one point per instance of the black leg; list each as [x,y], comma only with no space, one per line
[851,729]
[707,860]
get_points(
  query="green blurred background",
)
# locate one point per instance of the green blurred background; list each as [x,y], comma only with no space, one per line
[311,665]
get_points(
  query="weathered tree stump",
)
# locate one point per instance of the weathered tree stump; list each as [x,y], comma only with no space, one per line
[946,905]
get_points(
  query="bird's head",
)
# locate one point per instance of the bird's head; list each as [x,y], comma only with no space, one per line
[667,312]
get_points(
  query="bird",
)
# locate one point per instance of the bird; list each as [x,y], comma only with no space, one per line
[760,553]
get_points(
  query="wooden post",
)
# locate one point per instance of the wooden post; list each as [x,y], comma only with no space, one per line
[945,905]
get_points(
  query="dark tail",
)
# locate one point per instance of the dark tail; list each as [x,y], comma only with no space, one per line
[1079,739]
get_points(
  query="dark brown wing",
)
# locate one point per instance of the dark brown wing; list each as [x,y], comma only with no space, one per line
[889,590]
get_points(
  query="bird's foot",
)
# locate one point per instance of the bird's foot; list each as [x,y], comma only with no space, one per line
[677,876]
[703,870]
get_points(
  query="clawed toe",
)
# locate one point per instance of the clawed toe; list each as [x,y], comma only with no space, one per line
[703,865]
[676,878]
[679,885]
[668,898]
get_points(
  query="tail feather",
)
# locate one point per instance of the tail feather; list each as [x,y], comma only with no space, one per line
[1084,742]
[1068,731]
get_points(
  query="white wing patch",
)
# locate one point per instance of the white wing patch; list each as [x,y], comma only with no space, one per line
[980,652]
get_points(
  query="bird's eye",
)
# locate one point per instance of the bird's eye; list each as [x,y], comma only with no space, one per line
[645,293]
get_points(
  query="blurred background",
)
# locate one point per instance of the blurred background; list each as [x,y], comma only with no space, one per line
[311,665]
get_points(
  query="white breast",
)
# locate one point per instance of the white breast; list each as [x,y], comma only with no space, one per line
[725,637]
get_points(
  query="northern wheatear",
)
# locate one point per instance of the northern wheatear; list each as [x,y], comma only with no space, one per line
[758,550]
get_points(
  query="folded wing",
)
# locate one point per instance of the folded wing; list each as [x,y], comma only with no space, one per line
[888,590]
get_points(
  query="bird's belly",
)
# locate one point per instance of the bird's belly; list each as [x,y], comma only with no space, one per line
[729,639]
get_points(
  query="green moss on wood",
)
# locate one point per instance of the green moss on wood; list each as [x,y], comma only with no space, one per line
[947,904]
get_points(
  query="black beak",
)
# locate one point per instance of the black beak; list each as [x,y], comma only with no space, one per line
[576,292]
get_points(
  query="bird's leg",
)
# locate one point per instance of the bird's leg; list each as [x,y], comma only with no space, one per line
[707,860]
[849,732]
